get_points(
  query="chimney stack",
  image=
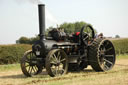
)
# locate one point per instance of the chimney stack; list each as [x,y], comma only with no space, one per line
[41,9]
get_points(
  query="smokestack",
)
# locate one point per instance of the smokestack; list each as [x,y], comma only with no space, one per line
[41,9]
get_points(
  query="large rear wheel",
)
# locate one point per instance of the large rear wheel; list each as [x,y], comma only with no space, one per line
[102,55]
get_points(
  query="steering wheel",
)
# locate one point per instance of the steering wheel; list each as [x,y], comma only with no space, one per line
[87,34]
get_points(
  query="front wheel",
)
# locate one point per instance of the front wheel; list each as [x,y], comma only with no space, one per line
[56,62]
[29,64]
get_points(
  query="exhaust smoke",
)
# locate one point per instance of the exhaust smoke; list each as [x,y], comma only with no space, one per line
[50,18]
[35,1]
[29,1]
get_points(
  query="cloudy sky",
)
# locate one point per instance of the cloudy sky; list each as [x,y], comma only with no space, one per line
[20,17]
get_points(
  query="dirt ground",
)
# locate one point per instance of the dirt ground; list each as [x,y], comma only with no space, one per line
[89,77]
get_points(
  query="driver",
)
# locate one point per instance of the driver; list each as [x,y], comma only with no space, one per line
[100,35]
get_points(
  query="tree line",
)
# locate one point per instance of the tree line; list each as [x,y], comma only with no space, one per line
[69,28]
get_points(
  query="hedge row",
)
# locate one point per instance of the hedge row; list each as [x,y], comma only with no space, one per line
[12,53]
[121,46]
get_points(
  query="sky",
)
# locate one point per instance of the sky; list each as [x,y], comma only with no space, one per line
[20,17]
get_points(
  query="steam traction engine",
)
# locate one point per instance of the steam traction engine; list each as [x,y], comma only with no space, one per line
[60,54]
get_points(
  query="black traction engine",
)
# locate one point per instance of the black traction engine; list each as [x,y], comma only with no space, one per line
[60,53]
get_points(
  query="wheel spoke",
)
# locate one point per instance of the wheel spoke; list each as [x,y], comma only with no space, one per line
[108,49]
[85,38]
[55,56]
[58,56]
[36,68]
[52,62]
[33,69]
[28,61]
[108,61]
[63,60]
[109,56]
[27,65]
[106,66]
[30,71]
[87,30]
[53,59]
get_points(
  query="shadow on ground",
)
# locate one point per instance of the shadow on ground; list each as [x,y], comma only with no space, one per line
[20,76]
[41,75]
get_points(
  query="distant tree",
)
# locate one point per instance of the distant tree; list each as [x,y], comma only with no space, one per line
[117,36]
[73,27]
[69,28]
[32,40]
[23,40]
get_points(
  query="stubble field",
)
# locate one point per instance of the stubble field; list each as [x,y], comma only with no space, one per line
[12,75]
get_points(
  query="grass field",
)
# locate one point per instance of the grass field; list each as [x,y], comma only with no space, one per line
[12,75]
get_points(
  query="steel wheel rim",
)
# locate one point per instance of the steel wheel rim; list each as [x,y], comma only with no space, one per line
[87,33]
[106,55]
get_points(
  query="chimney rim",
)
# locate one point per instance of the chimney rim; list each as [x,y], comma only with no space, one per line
[41,4]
